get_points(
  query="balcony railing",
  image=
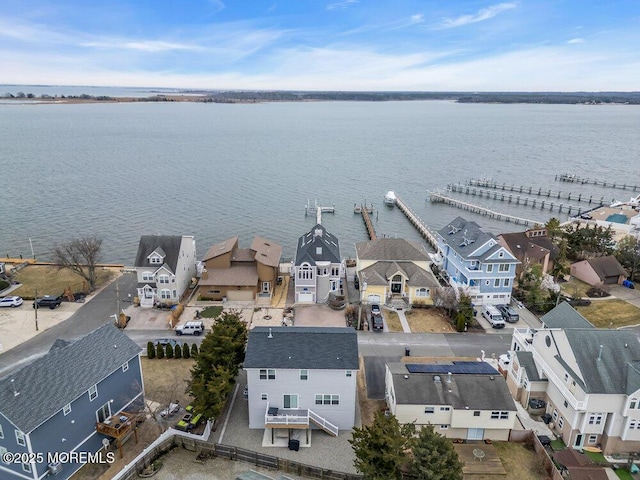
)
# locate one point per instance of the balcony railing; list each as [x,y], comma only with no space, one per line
[576,404]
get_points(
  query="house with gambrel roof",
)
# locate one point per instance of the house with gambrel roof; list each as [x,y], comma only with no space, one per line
[589,378]
[58,402]
[317,268]
[301,378]
[165,265]
[475,261]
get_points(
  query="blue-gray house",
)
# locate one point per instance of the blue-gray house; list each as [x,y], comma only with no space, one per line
[54,407]
[476,262]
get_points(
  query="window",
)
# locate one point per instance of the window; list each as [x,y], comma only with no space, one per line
[304,375]
[290,401]
[163,279]
[595,418]
[264,396]
[592,439]
[269,374]
[634,402]
[26,467]
[566,377]
[504,267]
[555,415]
[499,415]
[175,293]
[501,254]
[422,292]
[445,409]
[20,438]
[561,422]
[496,282]
[327,399]
[566,404]
[266,287]
[66,410]
[318,250]
[335,271]
[147,277]
[93,393]
[507,282]
[2,452]
[155,260]
[444,427]
[634,424]
[476,413]
[125,367]
[490,267]
[1,432]
[103,412]
[348,373]
[305,272]
[429,410]
[487,282]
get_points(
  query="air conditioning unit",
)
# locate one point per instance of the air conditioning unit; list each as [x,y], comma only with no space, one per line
[54,468]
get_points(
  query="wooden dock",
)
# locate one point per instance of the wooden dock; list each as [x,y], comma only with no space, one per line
[416,222]
[364,211]
[515,198]
[438,197]
[572,178]
[576,197]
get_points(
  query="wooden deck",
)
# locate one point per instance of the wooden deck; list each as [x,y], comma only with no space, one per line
[490,464]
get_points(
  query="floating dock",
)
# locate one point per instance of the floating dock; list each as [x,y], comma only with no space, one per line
[310,209]
[572,178]
[438,197]
[514,198]
[416,222]
[579,197]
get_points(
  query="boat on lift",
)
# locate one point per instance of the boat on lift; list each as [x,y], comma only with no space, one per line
[390,198]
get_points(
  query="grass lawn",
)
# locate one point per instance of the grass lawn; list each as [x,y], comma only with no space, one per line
[393,321]
[428,320]
[623,474]
[611,313]
[48,280]
[211,312]
[165,380]
[518,459]
[575,288]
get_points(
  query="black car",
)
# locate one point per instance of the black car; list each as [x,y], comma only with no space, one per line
[578,302]
[377,324]
[51,301]
[168,341]
[356,282]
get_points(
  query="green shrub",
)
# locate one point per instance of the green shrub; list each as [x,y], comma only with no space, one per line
[160,351]
[3,285]
[185,351]
[177,353]
[151,351]
[194,350]
[169,351]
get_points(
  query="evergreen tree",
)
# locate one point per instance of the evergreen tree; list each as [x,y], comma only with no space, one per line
[434,457]
[169,351]
[151,351]
[177,353]
[628,254]
[160,351]
[194,350]
[185,351]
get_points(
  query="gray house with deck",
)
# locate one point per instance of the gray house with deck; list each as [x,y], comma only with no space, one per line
[301,378]
[60,402]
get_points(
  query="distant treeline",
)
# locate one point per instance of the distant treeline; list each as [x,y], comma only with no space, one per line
[45,96]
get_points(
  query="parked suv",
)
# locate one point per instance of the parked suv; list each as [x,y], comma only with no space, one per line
[51,301]
[10,301]
[190,328]
[377,324]
[508,313]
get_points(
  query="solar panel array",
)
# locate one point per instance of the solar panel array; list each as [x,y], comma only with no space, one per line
[477,368]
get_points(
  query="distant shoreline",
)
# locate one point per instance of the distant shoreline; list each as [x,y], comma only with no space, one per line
[244,97]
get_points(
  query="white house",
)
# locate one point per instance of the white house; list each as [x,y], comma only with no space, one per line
[165,265]
[301,378]
[462,399]
[476,262]
[589,379]
[317,266]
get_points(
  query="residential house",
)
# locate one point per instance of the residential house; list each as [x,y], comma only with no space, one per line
[232,273]
[589,379]
[317,267]
[462,399]
[475,261]
[393,269]
[60,401]
[599,271]
[301,378]
[165,265]
[532,247]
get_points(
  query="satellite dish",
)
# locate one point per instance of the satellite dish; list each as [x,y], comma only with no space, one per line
[105,442]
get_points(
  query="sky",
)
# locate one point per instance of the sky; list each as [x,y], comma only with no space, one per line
[353,45]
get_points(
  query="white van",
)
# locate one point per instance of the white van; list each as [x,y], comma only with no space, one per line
[493,316]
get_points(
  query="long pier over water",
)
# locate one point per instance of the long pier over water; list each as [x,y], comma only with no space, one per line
[421,227]
[577,197]
[571,178]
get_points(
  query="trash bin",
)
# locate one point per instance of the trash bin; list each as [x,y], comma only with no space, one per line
[294,445]
[407,352]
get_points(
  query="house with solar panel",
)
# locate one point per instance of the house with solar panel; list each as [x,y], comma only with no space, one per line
[461,399]
[165,265]
[588,379]
[76,398]
[301,379]
[317,267]
[475,261]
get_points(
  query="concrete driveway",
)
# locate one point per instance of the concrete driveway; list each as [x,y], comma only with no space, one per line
[318,316]
[629,295]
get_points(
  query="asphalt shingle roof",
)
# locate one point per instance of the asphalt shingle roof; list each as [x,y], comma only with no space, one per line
[525,359]
[565,316]
[62,375]
[477,392]
[607,267]
[380,272]
[323,348]
[169,244]
[397,249]
[310,241]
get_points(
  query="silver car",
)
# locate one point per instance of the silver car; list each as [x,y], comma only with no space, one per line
[14,301]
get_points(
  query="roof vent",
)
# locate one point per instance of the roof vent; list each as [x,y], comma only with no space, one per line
[406,377]
[448,377]
[437,379]
[15,392]
[600,353]
[270,334]
[492,377]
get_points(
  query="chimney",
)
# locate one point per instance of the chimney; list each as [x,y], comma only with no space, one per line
[448,377]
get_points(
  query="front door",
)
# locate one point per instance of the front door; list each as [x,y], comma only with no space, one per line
[578,440]
[396,284]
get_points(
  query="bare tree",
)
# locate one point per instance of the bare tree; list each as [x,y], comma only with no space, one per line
[80,255]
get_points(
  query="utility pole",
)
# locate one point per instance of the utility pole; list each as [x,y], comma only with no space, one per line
[35,305]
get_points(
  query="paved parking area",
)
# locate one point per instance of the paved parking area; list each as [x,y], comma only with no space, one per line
[318,316]
[629,295]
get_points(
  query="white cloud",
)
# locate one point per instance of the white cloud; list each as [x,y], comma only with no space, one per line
[575,40]
[341,5]
[217,5]
[482,15]
[142,45]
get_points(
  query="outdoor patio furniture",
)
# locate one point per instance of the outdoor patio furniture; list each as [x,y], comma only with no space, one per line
[478,454]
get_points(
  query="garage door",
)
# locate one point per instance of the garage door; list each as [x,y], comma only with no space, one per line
[240,296]
[374,299]
[611,280]
[305,297]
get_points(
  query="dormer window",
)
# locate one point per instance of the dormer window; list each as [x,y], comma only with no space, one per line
[318,250]
[155,260]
